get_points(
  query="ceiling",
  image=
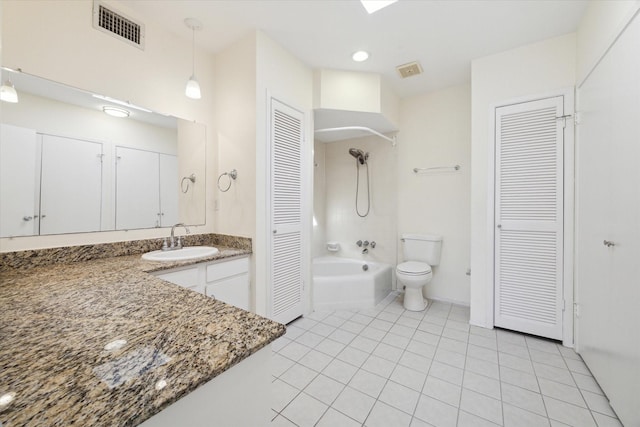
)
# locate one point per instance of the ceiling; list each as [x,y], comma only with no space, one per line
[443,35]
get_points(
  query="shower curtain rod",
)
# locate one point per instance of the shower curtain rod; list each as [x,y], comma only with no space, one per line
[392,140]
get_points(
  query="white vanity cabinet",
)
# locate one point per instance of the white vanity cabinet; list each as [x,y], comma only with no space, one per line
[226,279]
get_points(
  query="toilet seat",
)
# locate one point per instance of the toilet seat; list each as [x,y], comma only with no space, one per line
[414,268]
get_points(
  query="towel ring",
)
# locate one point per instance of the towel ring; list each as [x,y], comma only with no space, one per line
[233,174]
[191,178]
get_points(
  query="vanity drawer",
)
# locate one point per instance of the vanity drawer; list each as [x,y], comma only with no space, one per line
[227,268]
[234,291]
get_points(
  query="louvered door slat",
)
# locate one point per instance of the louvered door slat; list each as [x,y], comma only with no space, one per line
[528,258]
[286,212]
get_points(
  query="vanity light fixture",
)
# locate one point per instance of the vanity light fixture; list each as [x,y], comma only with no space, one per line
[360,56]
[193,87]
[372,6]
[123,103]
[115,111]
[8,92]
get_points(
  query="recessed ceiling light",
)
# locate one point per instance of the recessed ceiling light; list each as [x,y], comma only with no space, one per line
[360,56]
[115,111]
[375,5]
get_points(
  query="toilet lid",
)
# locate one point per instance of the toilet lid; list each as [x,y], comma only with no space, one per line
[414,267]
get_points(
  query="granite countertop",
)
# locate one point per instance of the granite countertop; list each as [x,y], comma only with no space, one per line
[56,321]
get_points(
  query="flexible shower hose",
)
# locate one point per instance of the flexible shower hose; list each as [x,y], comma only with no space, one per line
[358,188]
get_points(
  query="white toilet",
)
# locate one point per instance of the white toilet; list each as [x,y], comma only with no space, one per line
[420,253]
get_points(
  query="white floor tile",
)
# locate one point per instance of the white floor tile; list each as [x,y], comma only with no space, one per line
[552,373]
[453,345]
[282,394]
[422,349]
[483,332]
[466,419]
[383,415]
[508,337]
[566,393]
[396,341]
[315,360]
[482,353]
[569,353]
[333,320]
[586,382]
[368,383]
[454,334]
[294,351]
[450,358]
[516,417]
[379,366]
[333,418]
[303,323]
[598,403]
[294,332]
[353,403]
[324,389]
[513,349]
[519,378]
[353,356]
[364,344]
[330,347]
[489,343]
[400,397]
[310,339]
[340,371]
[322,329]
[442,390]
[415,361]
[319,314]
[408,322]
[298,376]
[353,327]
[514,362]
[362,319]
[280,343]
[605,421]
[403,331]
[435,412]
[279,364]
[567,413]
[481,405]
[281,421]
[387,317]
[373,333]
[426,337]
[482,367]
[553,359]
[542,345]
[523,398]
[342,336]
[431,327]
[388,352]
[446,372]
[435,319]
[408,377]
[482,384]
[305,411]
[577,366]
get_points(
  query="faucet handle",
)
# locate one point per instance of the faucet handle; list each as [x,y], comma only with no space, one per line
[359,243]
[373,245]
[165,244]
[179,243]
[366,243]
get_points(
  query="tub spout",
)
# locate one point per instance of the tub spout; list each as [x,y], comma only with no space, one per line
[365,251]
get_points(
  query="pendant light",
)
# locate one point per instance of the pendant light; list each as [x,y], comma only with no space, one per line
[193,87]
[8,92]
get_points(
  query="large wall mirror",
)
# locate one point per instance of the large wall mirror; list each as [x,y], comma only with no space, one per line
[74,162]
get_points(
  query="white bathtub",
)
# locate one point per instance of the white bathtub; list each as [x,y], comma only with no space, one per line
[342,283]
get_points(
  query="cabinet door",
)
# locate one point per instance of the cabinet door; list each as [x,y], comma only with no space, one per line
[187,278]
[137,189]
[19,177]
[234,291]
[168,190]
[71,185]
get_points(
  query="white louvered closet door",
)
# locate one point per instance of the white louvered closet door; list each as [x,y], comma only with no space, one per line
[286,212]
[529,217]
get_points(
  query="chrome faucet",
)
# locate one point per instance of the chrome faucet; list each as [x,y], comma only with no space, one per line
[173,244]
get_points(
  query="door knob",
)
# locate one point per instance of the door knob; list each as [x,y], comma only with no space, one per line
[499,225]
[27,218]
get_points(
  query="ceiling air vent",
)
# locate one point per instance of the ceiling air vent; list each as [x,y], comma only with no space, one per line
[109,21]
[408,70]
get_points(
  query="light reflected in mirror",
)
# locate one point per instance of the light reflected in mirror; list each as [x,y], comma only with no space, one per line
[67,167]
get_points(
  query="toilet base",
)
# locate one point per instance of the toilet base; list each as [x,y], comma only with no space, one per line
[413,299]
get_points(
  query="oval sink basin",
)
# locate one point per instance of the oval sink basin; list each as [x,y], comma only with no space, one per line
[185,254]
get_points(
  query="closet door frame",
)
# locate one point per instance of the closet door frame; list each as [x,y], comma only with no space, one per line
[568,95]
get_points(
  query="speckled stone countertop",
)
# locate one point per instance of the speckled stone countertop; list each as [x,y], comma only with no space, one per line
[55,321]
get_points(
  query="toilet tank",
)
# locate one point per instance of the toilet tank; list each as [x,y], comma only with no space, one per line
[422,247]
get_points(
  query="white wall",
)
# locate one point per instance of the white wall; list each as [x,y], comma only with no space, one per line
[600,26]
[70,51]
[529,70]
[343,225]
[318,246]
[284,77]
[435,130]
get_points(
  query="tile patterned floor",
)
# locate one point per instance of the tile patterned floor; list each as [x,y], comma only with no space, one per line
[390,367]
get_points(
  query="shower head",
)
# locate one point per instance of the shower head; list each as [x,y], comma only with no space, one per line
[359,155]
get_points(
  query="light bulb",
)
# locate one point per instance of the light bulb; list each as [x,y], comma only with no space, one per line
[193,88]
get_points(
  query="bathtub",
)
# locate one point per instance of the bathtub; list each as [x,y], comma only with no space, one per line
[342,283]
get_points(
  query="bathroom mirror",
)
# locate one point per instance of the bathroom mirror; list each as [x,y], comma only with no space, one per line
[73,162]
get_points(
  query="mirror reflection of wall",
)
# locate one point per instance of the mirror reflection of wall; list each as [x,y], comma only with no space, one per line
[68,167]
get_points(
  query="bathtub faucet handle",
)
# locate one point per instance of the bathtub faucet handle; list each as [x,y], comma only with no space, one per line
[373,245]
[366,243]
[359,243]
